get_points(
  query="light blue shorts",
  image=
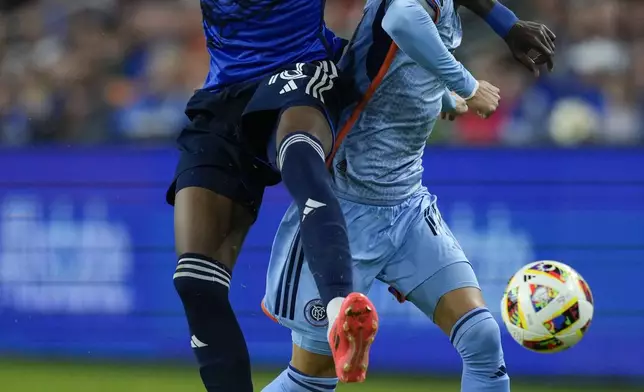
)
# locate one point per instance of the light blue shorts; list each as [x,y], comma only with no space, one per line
[403,246]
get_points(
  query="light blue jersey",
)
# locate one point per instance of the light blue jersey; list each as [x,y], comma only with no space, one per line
[380,161]
[395,229]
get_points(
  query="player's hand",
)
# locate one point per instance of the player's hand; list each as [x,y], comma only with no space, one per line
[532,44]
[486,100]
[461,109]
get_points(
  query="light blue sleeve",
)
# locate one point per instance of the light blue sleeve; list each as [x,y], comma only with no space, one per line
[449,103]
[415,33]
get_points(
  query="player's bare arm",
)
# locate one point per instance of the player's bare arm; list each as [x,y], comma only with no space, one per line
[531,43]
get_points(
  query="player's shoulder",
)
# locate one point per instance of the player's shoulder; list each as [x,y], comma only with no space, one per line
[433,7]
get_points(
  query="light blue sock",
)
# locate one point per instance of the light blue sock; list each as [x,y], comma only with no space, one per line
[477,338]
[292,380]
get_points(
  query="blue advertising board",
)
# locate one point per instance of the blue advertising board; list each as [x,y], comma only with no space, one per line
[86,254]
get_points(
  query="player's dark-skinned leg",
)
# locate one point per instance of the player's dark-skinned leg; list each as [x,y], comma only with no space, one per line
[304,138]
[209,232]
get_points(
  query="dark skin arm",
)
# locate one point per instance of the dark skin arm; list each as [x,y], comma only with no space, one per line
[479,7]
[532,44]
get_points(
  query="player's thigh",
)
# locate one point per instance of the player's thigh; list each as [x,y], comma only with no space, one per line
[303,98]
[424,244]
[429,262]
[218,187]
[292,298]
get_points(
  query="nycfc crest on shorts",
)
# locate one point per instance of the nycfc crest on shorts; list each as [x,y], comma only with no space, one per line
[315,313]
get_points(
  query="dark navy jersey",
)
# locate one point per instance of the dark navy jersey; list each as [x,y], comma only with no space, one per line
[250,39]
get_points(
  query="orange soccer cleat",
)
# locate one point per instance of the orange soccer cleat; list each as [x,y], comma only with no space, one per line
[351,336]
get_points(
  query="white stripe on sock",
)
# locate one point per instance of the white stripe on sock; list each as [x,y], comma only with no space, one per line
[201,277]
[297,138]
[207,263]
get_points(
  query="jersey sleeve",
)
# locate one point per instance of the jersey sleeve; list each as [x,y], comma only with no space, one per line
[448,102]
[433,9]
[414,31]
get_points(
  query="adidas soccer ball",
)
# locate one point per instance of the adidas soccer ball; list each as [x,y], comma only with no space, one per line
[547,307]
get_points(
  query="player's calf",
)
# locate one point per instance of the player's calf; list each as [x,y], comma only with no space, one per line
[304,139]
[474,333]
[476,336]
[209,231]
[451,297]
[216,338]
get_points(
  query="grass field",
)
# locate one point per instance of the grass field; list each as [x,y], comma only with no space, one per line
[27,376]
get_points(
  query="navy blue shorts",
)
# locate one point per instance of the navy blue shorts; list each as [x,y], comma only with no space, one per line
[229,145]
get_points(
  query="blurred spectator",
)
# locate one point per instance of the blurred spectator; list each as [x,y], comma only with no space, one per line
[121,70]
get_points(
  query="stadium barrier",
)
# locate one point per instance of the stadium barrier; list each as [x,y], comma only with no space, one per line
[86,254]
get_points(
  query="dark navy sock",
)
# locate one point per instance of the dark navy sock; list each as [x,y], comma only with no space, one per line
[322,226]
[216,338]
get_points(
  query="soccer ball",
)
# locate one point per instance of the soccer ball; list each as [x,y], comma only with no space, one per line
[547,307]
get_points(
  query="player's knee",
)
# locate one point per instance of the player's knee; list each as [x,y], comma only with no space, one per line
[482,343]
[209,224]
[477,338]
[301,161]
[452,305]
[308,120]
[198,277]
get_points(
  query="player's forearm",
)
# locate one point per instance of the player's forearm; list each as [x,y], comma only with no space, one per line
[479,7]
[412,29]
[496,15]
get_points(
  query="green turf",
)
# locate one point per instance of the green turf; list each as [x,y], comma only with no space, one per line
[27,376]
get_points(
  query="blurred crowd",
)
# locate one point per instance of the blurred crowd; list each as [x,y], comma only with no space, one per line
[100,71]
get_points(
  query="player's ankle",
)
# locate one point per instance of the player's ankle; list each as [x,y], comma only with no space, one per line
[332,312]
[293,380]
[333,308]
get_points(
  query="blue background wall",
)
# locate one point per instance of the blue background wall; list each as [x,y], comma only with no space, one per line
[86,254]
